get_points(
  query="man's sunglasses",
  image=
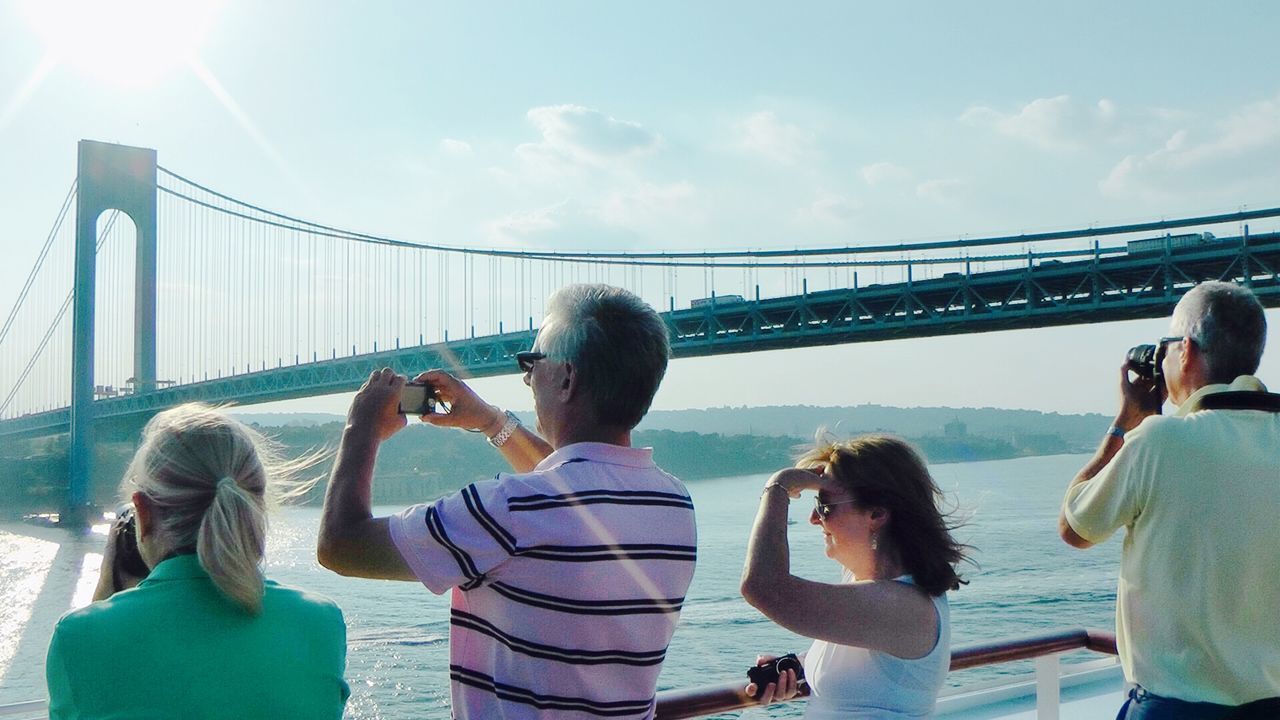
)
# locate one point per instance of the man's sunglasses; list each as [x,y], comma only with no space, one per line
[527,358]
[1162,350]
[824,509]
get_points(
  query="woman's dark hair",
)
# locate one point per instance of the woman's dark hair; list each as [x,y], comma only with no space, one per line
[885,472]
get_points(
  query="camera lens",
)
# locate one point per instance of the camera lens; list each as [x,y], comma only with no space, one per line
[1143,360]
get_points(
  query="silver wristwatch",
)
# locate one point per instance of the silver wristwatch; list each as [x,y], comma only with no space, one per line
[508,428]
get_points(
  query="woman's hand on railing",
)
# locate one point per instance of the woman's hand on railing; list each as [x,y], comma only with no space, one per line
[787,686]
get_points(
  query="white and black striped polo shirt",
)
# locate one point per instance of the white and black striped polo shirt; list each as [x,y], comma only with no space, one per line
[567,582]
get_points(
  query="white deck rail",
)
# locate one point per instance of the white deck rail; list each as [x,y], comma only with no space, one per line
[1044,648]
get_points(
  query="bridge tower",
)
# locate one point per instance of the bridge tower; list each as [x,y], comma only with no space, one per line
[109,177]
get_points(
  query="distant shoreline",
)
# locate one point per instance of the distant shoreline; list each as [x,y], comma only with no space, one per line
[693,445]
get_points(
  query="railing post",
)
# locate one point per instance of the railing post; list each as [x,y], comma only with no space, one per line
[1048,687]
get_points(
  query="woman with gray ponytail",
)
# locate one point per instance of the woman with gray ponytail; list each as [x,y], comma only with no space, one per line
[204,635]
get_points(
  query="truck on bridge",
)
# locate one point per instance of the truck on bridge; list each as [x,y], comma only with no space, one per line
[716,300]
[1172,242]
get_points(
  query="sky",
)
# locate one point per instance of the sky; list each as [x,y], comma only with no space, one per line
[677,125]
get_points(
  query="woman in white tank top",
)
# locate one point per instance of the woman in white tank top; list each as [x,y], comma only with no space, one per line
[882,636]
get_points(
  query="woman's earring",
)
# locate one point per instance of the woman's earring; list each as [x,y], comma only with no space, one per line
[875,541]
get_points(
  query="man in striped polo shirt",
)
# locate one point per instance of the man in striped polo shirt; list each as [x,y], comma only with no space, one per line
[568,575]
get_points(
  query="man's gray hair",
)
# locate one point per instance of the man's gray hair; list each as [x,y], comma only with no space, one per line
[617,344]
[1228,324]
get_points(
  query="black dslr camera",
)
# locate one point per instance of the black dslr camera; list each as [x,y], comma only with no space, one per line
[762,675]
[1146,360]
[128,558]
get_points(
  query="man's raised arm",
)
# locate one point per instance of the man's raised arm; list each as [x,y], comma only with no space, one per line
[1138,399]
[352,541]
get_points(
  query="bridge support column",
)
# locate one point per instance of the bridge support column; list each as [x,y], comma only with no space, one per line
[121,178]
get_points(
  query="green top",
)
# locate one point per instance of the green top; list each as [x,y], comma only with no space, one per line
[176,647]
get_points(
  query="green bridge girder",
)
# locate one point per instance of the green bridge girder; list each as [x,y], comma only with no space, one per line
[1043,293]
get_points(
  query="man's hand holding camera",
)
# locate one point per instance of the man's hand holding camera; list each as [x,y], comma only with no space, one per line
[1140,396]
[378,406]
[467,410]
[375,408]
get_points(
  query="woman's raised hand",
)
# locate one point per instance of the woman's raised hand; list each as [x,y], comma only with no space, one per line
[796,480]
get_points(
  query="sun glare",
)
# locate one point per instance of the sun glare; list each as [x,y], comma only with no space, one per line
[122,42]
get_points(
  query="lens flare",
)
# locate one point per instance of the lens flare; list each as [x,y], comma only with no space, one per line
[130,43]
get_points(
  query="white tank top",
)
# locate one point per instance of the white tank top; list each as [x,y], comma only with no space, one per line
[851,682]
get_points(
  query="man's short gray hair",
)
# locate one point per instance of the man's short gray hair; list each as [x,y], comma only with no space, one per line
[617,344]
[1228,324]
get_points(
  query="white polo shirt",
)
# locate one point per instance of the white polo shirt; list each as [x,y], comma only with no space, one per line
[1198,606]
[567,582]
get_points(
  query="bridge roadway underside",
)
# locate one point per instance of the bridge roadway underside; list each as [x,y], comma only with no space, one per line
[1041,294]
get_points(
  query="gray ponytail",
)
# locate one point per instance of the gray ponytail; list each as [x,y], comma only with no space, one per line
[231,541]
[211,481]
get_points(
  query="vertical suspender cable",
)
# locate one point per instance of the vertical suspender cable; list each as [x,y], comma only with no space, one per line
[348,275]
[398,301]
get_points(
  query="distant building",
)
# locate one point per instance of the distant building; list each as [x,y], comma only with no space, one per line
[955,429]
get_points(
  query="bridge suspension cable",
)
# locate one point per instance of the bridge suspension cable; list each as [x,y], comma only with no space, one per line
[1025,238]
[35,271]
[657,258]
[53,326]
[638,259]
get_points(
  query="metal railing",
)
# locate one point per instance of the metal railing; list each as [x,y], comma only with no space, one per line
[698,702]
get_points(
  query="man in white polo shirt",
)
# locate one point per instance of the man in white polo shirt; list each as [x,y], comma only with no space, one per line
[568,575]
[1199,495]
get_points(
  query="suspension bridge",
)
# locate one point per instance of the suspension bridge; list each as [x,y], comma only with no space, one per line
[152,289]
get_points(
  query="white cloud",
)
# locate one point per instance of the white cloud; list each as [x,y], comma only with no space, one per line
[1241,152]
[565,225]
[884,173]
[1057,123]
[621,219]
[942,190]
[765,135]
[831,208]
[584,135]
[522,225]
[647,202]
[456,148]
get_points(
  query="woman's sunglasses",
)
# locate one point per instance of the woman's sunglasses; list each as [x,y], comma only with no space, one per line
[824,509]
